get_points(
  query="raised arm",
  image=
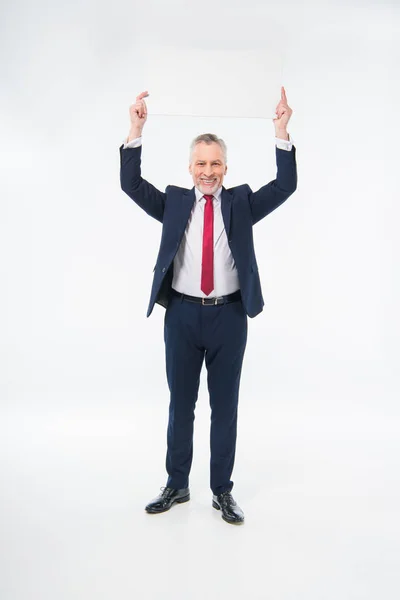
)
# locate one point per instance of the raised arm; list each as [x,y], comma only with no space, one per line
[143,193]
[272,195]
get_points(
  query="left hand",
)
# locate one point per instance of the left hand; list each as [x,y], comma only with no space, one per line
[283,112]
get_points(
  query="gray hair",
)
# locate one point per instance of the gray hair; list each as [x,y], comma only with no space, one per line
[208,138]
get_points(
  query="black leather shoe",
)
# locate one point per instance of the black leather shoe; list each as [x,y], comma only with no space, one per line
[167,498]
[231,512]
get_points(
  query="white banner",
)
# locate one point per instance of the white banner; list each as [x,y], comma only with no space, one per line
[213,83]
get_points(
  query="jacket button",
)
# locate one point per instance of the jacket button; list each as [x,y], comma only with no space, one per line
[163,270]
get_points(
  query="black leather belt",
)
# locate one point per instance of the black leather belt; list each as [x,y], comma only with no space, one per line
[209,301]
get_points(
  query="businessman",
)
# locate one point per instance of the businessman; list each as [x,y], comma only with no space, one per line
[206,277]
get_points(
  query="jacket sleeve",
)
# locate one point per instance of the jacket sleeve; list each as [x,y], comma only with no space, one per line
[272,195]
[149,198]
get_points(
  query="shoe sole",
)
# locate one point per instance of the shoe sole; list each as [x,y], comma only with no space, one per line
[177,501]
[217,507]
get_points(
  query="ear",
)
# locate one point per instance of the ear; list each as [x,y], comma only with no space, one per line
[190,168]
[226,168]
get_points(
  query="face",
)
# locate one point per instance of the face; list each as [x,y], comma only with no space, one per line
[208,167]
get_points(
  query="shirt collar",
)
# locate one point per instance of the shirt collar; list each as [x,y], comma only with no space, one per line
[199,194]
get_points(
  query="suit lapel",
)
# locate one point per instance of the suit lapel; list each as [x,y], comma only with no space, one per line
[226,207]
[188,200]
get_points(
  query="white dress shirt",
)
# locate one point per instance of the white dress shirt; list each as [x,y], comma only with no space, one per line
[187,261]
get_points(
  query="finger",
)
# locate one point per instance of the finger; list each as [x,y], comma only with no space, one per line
[283,95]
[283,106]
[142,95]
[138,108]
[282,103]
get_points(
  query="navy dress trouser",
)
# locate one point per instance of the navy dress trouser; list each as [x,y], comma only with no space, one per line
[218,335]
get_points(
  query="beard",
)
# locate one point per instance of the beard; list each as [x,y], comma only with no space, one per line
[208,189]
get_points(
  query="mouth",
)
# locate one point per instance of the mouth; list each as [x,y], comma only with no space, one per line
[208,181]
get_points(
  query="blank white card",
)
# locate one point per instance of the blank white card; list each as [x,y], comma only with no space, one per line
[209,82]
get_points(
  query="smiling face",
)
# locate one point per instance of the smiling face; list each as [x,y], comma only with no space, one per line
[207,167]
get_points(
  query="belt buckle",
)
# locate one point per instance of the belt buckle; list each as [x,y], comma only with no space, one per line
[214,302]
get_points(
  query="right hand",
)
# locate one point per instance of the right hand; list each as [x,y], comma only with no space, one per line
[138,112]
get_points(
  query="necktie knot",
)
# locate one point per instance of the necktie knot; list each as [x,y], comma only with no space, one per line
[208,197]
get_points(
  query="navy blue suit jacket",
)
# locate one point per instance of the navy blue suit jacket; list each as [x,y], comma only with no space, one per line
[241,209]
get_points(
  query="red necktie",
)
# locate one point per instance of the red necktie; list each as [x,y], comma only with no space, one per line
[207,265]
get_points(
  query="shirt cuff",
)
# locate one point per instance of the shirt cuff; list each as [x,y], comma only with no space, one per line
[284,144]
[133,143]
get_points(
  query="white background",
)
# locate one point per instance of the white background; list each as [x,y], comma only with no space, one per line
[83,391]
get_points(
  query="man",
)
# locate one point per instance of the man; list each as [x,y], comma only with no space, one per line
[206,276]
